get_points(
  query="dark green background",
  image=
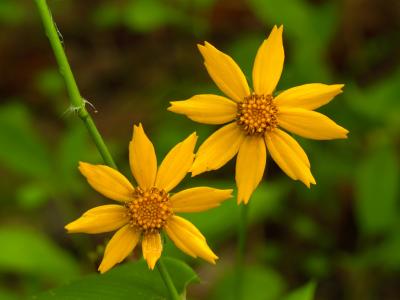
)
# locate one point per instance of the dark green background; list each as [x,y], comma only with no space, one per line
[130,59]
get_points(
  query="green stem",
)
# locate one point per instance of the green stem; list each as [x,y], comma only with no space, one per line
[72,88]
[241,248]
[167,280]
[79,103]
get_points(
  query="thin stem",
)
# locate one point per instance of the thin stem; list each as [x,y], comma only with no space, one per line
[72,88]
[167,280]
[241,248]
[79,103]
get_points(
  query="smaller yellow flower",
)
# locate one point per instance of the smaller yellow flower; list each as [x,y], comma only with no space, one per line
[149,208]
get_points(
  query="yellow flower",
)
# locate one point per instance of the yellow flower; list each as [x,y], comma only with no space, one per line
[144,211]
[256,117]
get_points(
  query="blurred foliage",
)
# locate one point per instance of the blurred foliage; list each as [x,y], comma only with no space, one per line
[130,58]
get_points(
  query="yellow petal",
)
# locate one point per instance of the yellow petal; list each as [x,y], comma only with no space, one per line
[250,166]
[225,72]
[176,164]
[142,158]
[218,149]
[151,248]
[100,219]
[309,124]
[308,96]
[189,239]
[122,243]
[268,64]
[107,181]
[207,109]
[289,156]
[199,199]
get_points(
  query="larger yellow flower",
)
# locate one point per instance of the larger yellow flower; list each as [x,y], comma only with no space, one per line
[148,209]
[256,117]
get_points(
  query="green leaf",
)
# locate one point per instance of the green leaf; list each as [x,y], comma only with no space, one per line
[50,82]
[137,16]
[21,148]
[378,102]
[255,279]
[307,29]
[74,147]
[6,295]
[12,12]
[377,190]
[306,292]
[107,15]
[129,281]
[32,195]
[29,252]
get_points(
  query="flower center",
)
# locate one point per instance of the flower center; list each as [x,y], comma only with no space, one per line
[149,210]
[257,114]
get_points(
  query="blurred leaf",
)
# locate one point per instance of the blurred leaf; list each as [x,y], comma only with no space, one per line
[316,265]
[107,15]
[305,292]
[137,16]
[11,12]
[6,295]
[74,147]
[293,14]
[378,102]
[377,190]
[29,252]
[32,195]
[308,28]
[385,254]
[50,82]
[388,253]
[130,281]
[21,149]
[256,279]
[197,4]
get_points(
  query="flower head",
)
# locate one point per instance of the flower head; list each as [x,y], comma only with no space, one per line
[145,211]
[256,118]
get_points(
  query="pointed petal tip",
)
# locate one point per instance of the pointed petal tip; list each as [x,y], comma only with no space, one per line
[103,268]
[151,262]
[208,45]
[242,200]
[214,260]
[196,170]
[201,48]
[68,228]
[229,192]
[310,182]
[340,85]
[193,135]
[82,165]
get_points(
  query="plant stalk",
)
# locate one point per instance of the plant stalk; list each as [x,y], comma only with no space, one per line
[79,103]
[241,249]
[167,280]
[75,97]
